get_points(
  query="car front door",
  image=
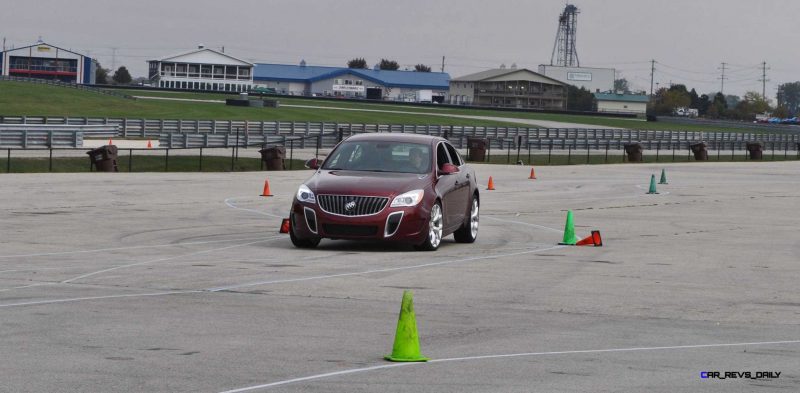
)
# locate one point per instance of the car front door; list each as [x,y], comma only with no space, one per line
[461,200]
[447,188]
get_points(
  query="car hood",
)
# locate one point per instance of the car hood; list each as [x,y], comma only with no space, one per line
[341,182]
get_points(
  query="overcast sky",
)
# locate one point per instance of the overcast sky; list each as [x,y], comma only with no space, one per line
[689,39]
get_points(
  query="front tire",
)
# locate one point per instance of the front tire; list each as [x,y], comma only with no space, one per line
[435,229]
[469,230]
[298,242]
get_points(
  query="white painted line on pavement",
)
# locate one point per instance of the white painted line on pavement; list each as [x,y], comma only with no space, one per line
[484,357]
[229,202]
[391,269]
[166,259]
[77,299]
[117,249]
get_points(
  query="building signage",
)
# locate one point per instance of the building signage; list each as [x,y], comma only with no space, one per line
[43,48]
[579,76]
[351,88]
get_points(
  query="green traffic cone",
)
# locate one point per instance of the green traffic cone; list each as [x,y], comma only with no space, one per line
[652,185]
[406,340]
[569,231]
[663,177]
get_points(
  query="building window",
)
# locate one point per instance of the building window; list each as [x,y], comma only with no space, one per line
[205,71]
[230,72]
[359,83]
[348,82]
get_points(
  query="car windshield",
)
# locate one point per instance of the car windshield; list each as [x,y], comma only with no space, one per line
[380,156]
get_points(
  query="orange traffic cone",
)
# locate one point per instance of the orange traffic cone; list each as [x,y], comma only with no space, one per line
[149,144]
[592,240]
[491,184]
[284,226]
[266,192]
[533,174]
[110,142]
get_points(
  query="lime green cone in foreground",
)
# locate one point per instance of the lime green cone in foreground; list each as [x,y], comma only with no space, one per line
[406,340]
[652,185]
[569,231]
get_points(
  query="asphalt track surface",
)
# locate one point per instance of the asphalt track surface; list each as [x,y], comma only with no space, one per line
[179,282]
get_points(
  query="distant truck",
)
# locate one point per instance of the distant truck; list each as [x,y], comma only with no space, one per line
[687,112]
[425,96]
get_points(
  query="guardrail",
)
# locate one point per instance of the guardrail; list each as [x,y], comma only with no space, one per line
[498,136]
[50,136]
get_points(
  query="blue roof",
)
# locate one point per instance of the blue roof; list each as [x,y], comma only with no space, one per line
[621,97]
[307,74]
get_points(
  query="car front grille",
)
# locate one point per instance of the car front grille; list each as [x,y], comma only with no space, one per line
[351,205]
[349,230]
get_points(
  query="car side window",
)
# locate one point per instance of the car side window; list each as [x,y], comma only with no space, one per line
[441,156]
[454,157]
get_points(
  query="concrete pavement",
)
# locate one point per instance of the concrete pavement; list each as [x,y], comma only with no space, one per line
[114,282]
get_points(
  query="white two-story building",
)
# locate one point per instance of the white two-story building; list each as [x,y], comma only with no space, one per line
[202,69]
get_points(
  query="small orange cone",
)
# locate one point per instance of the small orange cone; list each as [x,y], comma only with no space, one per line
[149,144]
[285,226]
[266,192]
[533,174]
[491,184]
[592,240]
[110,142]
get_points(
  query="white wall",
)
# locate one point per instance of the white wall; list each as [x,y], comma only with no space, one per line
[622,107]
[600,79]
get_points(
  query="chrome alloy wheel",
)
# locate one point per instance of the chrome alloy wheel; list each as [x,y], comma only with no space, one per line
[474,218]
[435,226]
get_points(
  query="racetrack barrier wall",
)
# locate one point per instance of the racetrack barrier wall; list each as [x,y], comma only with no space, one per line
[499,137]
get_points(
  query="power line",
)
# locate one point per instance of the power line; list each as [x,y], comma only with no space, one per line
[722,79]
[652,74]
[763,80]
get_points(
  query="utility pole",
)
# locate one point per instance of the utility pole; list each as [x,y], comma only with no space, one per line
[763,80]
[652,74]
[4,44]
[442,63]
[113,58]
[722,78]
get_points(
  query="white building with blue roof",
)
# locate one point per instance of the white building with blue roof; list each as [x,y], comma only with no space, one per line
[211,70]
[308,80]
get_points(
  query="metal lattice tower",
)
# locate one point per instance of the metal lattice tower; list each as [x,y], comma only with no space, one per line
[564,46]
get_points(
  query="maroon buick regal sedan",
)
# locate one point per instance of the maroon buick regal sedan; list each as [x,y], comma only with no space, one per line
[412,189]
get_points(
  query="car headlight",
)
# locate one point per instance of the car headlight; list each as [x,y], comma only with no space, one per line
[411,198]
[304,194]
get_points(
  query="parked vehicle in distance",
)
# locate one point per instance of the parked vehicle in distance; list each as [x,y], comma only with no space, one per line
[413,189]
[263,90]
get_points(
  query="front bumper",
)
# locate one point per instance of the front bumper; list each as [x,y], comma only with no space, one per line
[399,224]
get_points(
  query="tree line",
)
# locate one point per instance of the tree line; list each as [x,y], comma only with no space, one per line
[120,77]
[727,106]
[713,105]
[384,64]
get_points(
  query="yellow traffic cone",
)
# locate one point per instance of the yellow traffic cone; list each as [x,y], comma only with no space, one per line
[406,340]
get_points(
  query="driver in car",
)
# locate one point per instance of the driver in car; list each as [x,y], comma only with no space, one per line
[416,160]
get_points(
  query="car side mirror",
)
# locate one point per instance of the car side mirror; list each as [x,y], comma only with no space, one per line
[448,169]
[313,163]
